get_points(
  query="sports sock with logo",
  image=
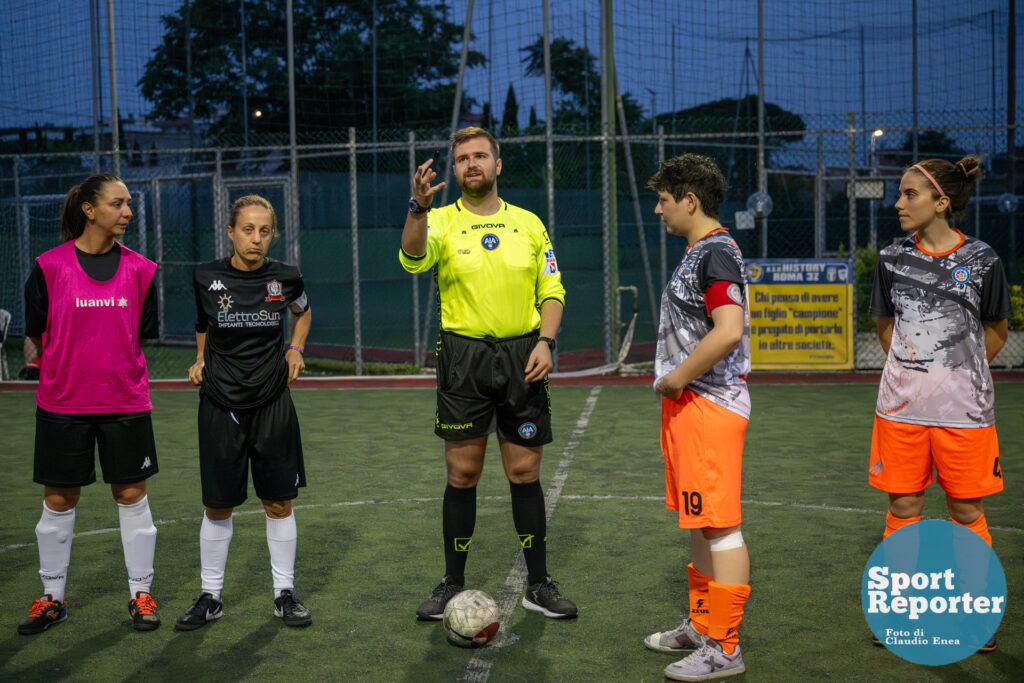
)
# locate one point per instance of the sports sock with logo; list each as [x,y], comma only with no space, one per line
[458,519]
[138,538]
[980,527]
[53,536]
[531,526]
[697,585]
[214,541]
[894,523]
[727,603]
[282,538]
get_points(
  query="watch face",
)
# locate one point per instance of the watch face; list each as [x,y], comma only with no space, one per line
[415,207]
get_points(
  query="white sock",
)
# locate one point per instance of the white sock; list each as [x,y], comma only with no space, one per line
[53,535]
[282,537]
[138,537]
[214,541]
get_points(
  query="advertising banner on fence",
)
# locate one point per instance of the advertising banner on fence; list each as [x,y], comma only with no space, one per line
[801,314]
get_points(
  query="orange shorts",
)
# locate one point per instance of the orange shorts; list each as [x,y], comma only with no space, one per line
[703,447]
[965,459]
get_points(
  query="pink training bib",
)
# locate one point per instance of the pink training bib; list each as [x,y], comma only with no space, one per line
[92,360]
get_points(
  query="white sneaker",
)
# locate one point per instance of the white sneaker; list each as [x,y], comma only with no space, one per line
[710,661]
[684,637]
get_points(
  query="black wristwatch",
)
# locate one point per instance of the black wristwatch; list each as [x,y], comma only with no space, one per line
[415,207]
[550,341]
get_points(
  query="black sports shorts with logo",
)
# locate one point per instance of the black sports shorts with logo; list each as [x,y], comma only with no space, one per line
[66,444]
[266,437]
[480,389]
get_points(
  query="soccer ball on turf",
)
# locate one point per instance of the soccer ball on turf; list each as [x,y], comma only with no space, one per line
[470,619]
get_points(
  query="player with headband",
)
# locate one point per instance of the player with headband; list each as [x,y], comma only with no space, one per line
[942,303]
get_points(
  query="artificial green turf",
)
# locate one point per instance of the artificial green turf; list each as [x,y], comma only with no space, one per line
[369,551]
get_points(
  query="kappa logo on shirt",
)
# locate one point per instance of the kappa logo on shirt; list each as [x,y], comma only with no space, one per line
[216,286]
[146,463]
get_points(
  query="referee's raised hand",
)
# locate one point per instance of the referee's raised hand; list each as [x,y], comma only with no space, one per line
[422,191]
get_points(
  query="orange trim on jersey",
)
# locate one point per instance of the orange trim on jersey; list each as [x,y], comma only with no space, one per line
[945,253]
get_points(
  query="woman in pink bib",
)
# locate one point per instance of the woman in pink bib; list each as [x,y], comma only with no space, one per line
[89,304]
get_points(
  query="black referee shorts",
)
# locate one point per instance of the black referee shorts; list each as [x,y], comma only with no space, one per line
[267,438]
[480,389]
[66,444]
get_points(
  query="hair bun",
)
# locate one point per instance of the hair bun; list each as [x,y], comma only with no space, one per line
[971,167]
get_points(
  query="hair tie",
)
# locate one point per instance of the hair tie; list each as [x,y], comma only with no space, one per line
[963,169]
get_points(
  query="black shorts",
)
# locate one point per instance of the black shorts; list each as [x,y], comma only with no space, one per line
[66,444]
[266,437]
[480,389]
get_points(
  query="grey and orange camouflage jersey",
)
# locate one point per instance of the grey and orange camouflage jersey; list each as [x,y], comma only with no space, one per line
[936,372]
[685,320]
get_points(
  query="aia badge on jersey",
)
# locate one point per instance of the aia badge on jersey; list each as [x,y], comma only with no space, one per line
[961,274]
[550,264]
[490,241]
[735,294]
[274,291]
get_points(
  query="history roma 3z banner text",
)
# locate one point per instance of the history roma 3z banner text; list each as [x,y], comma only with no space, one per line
[801,314]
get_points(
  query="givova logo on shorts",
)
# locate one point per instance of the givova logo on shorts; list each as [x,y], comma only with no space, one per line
[527,430]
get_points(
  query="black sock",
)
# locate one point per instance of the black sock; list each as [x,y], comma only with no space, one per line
[528,515]
[459,518]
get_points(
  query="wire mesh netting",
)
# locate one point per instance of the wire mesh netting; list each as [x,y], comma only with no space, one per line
[203,106]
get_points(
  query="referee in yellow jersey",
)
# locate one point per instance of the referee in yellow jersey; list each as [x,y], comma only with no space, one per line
[501,300]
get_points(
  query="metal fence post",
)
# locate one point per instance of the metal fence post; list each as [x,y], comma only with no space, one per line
[819,202]
[354,199]
[851,190]
[417,346]
[661,229]
[158,235]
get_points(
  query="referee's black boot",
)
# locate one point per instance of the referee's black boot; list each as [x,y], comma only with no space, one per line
[432,608]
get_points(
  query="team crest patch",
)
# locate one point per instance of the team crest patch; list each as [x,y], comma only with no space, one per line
[735,293]
[490,241]
[961,274]
[274,291]
[527,430]
[755,272]
[550,264]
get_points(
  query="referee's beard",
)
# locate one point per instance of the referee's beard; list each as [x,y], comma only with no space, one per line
[485,187]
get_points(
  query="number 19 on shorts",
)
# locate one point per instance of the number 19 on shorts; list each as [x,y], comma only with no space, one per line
[691,502]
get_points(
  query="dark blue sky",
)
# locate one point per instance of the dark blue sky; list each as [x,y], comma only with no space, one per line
[822,58]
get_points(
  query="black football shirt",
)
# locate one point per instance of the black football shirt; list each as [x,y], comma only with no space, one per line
[245,316]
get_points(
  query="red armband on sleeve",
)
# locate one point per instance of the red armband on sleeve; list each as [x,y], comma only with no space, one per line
[722,293]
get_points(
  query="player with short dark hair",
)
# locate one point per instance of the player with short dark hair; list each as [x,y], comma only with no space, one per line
[500,299]
[701,363]
[89,305]
[246,415]
[942,304]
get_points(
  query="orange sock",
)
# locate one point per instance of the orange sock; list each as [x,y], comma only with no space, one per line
[978,526]
[699,607]
[894,523]
[727,603]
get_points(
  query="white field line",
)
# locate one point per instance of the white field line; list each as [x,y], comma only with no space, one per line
[478,668]
[394,501]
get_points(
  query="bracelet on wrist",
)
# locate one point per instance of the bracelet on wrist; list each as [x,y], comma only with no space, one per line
[295,348]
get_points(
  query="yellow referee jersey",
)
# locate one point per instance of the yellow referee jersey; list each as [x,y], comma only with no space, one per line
[492,272]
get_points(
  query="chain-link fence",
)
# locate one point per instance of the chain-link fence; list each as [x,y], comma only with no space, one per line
[342,210]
